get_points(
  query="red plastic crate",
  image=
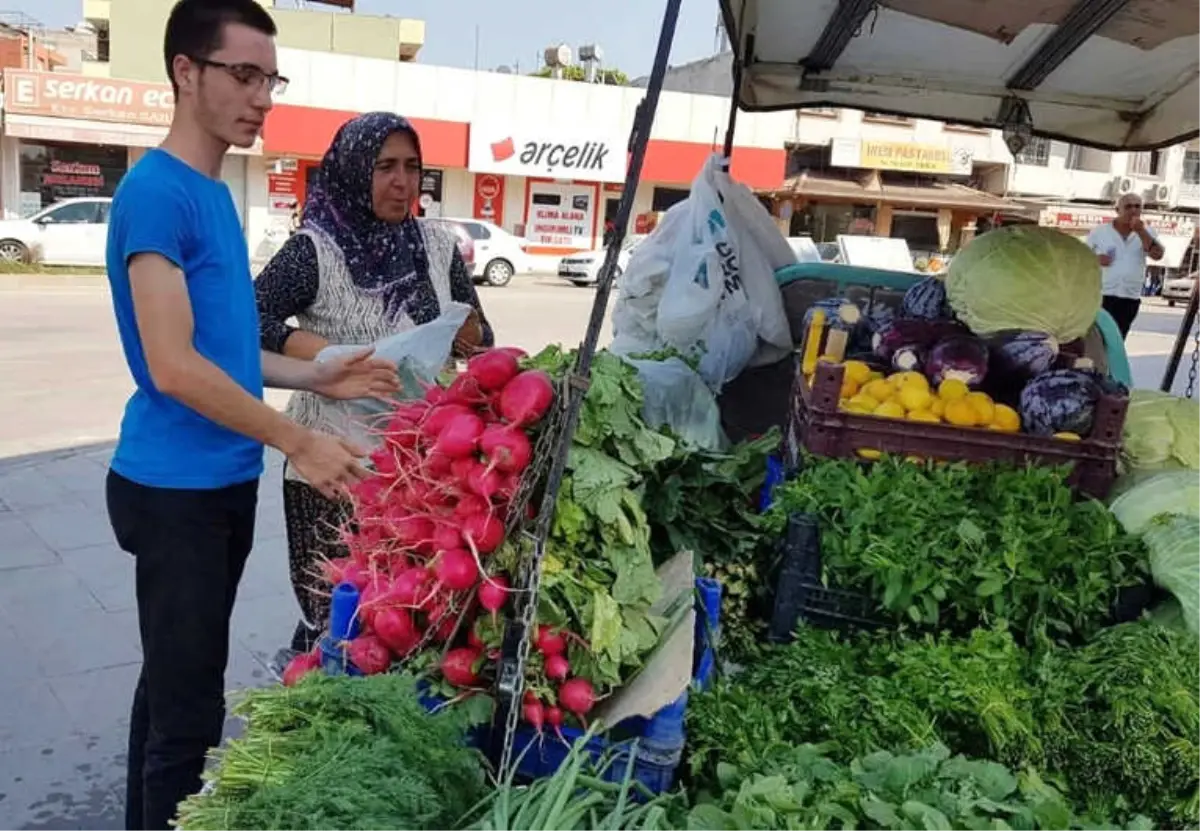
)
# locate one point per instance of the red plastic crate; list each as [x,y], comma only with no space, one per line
[817,425]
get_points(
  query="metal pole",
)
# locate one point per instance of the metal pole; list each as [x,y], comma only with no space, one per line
[1181,340]
[733,108]
[510,682]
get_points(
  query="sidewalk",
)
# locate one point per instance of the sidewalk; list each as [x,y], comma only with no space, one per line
[68,637]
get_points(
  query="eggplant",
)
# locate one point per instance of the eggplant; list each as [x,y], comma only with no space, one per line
[961,357]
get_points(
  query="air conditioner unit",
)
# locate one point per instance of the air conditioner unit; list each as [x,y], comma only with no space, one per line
[1160,194]
[1122,185]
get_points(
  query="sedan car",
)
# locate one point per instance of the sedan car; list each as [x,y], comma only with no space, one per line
[1179,289]
[583,269]
[466,245]
[498,254]
[70,232]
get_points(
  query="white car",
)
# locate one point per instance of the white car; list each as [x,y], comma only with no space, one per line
[583,269]
[70,232]
[1179,289]
[498,254]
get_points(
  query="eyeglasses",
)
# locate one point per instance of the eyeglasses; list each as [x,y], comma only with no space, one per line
[247,74]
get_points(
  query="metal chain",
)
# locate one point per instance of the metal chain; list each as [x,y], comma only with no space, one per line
[1192,370]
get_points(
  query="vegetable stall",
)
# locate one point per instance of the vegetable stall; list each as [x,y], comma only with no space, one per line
[949,578]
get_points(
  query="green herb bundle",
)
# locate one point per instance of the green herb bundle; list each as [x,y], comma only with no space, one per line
[339,753]
[957,546]
[801,788]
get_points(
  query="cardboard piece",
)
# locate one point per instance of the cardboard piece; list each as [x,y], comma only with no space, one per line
[668,671]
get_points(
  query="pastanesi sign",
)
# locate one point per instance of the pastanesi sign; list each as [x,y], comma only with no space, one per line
[590,155]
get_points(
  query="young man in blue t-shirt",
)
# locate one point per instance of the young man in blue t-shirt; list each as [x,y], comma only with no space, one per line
[182,488]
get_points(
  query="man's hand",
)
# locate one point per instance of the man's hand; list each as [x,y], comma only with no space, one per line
[329,464]
[355,376]
[469,337]
[1106,260]
[1136,225]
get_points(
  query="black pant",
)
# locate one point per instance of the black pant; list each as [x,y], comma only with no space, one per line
[1123,311]
[190,547]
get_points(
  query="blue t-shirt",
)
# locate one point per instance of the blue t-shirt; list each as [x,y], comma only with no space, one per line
[164,206]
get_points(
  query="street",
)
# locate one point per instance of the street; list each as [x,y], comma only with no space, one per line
[68,630]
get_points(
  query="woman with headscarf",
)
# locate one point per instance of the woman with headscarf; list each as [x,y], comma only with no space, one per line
[360,268]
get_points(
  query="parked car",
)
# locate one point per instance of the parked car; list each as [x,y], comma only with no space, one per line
[498,254]
[70,232]
[1179,289]
[466,245]
[583,269]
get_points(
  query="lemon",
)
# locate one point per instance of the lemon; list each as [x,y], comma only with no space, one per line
[869,453]
[914,397]
[849,387]
[960,413]
[985,408]
[879,389]
[1068,436]
[857,370]
[909,378]
[863,402]
[889,409]
[938,407]
[1006,419]
[925,416]
[952,389]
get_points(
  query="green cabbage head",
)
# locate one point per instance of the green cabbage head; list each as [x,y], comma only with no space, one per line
[1162,431]
[1025,277]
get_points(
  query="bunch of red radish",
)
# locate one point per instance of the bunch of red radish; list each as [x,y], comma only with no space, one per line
[425,524]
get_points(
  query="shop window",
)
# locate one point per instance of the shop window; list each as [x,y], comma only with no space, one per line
[1191,167]
[920,231]
[1145,164]
[51,172]
[825,223]
[664,198]
[1036,152]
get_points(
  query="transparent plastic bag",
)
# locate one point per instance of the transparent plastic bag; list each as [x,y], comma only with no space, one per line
[420,354]
[675,395]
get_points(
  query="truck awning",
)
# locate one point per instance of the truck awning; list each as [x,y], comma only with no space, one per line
[1112,74]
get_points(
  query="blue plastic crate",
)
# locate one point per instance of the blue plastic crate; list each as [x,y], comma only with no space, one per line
[660,738]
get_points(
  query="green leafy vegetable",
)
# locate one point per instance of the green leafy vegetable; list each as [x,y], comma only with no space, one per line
[957,545]
[339,753]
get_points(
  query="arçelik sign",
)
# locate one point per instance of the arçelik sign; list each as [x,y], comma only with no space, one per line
[593,156]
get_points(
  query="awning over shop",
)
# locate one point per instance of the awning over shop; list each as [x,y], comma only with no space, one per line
[308,131]
[79,131]
[871,188]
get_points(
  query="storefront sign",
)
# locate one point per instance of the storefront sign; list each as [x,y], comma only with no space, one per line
[1081,221]
[431,193]
[489,198]
[901,156]
[81,97]
[589,155]
[561,216]
[283,193]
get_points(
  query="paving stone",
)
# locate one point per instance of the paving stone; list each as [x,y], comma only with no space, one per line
[98,700]
[76,783]
[22,489]
[31,715]
[20,547]
[107,572]
[73,524]
[70,641]
[39,590]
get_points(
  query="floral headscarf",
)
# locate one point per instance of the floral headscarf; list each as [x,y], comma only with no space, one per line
[383,258]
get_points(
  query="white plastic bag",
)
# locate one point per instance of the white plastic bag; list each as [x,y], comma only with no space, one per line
[676,396]
[420,354]
[704,282]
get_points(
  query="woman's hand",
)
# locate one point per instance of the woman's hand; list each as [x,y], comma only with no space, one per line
[470,336]
[357,375]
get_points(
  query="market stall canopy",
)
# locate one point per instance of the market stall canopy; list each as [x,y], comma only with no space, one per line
[1113,74]
[871,188]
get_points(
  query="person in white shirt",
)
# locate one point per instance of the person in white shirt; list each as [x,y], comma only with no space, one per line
[1122,247]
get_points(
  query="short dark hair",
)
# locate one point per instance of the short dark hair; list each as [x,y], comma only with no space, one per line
[195,27]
